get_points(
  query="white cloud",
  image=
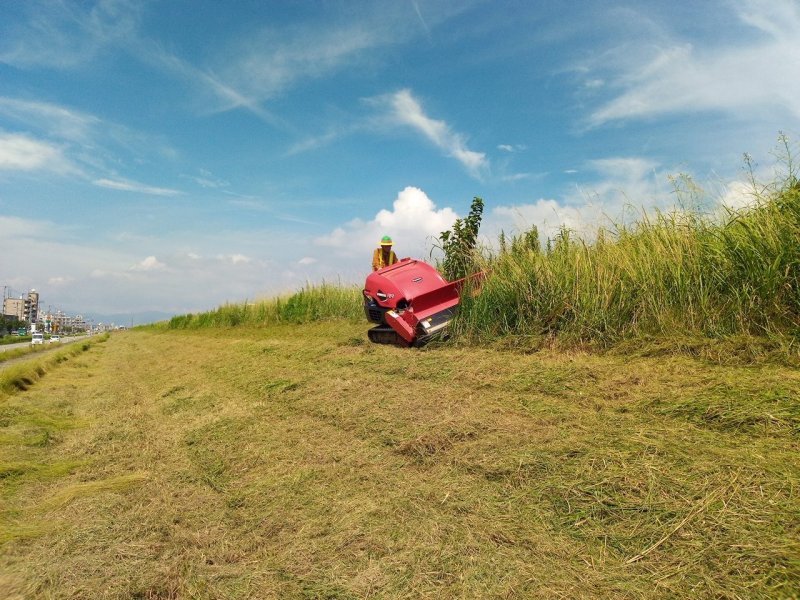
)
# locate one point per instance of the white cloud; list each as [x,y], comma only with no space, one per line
[546,214]
[56,120]
[404,109]
[307,260]
[516,177]
[132,186]
[57,281]
[239,259]
[207,180]
[22,153]
[619,183]
[744,75]
[273,60]
[413,221]
[738,195]
[179,273]
[512,147]
[151,263]
[87,140]
[65,34]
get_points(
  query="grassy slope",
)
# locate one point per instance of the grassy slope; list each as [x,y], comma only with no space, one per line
[298,461]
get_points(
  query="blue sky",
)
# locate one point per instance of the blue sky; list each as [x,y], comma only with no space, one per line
[171,156]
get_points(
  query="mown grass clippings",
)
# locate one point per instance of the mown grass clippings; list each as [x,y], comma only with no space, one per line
[70,493]
[323,468]
[20,377]
[18,352]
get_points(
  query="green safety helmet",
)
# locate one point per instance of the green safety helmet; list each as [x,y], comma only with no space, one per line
[386,241]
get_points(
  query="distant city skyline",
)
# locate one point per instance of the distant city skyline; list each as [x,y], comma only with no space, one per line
[164,158]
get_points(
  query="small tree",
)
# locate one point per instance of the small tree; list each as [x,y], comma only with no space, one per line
[459,243]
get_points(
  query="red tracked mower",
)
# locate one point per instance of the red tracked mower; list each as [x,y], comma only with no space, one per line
[410,302]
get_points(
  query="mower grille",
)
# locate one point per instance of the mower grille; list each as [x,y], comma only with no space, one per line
[374,312]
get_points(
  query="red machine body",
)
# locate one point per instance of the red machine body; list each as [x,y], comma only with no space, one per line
[410,301]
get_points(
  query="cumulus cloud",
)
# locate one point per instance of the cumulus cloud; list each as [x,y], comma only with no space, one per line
[151,263]
[744,75]
[412,222]
[404,109]
[738,195]
[22,153]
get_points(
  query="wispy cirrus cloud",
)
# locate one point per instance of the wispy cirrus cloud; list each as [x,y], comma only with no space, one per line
[511,147]
[69,141]
[80,145]
[134,186]
[271,61]
[615,185]
[58,121]
[68,35]
[64,35]
[402,108]
[675,76]
[24,153]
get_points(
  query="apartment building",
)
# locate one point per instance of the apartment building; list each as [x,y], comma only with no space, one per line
[24,309]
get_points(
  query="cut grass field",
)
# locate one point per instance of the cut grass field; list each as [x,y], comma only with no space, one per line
[299,461]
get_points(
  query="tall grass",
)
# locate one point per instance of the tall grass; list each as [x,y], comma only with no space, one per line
[312,303]
[682,272]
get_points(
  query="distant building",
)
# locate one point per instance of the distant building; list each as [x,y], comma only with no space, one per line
[32,307]
[14,307]
[23,309]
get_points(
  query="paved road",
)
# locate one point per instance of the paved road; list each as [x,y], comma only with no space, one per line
[46,347]
[64,340]
[5,347]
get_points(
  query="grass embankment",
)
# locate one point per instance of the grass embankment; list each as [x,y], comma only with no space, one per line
[18,352]
[21,376]
[678,275]
[302,462]
[312,303]
[14,339]
[702,284]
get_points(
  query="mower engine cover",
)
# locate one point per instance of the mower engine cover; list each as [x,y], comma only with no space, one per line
[395,287]
[411,299]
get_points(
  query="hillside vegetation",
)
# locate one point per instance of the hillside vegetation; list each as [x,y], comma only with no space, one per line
[298,461]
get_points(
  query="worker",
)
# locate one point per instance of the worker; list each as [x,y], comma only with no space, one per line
[383,255]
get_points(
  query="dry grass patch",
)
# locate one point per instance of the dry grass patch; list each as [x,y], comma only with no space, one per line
[293,462]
